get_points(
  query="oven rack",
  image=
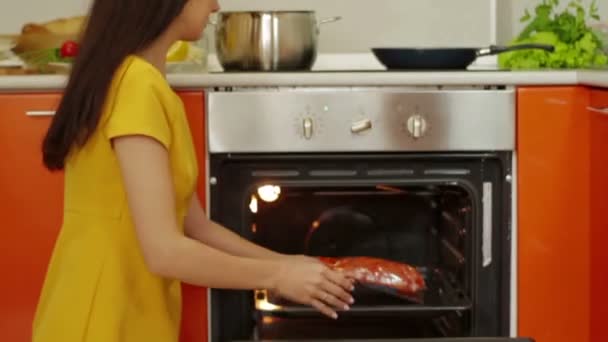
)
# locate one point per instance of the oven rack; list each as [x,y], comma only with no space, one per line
[443,295]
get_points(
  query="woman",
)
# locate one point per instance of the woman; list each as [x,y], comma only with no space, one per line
[133,227]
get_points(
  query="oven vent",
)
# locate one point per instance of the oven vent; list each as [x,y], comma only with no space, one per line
[447,172]
[390,172]
[333,173]
[275,173]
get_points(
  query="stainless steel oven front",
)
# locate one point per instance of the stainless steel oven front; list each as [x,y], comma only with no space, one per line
[417,175]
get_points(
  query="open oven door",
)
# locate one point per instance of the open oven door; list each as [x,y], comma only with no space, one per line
[446,339]
[451,225]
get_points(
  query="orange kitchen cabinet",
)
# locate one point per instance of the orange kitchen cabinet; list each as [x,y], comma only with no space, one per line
[194,311]
[31,208]
[31,204]
[553,214]
[598,110]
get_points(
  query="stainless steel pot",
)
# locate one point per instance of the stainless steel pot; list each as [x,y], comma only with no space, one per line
[267,40]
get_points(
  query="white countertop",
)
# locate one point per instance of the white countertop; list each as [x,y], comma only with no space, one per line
[354,70]
[34,83]
[384,78]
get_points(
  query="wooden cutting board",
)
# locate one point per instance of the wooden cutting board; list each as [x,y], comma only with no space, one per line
[6,71]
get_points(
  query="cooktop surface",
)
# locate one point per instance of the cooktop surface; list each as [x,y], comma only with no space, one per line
[363,71]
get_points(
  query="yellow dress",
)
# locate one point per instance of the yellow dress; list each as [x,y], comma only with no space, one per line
[97,287]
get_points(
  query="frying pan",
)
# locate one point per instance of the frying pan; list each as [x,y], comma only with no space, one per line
[443,58]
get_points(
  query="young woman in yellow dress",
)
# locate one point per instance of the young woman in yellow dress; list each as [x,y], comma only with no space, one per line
[133,228]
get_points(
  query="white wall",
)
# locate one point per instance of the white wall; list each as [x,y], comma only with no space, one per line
[366,23]
[15,13]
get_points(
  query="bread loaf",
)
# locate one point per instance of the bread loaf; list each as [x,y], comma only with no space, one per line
[48,35]
[62,26]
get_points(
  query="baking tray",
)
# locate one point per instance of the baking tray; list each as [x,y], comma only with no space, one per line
[442,296]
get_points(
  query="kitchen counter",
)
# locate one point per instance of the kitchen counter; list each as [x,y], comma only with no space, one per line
[385,78]
[39,83]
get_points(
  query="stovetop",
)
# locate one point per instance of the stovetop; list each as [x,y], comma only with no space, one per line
[322,71]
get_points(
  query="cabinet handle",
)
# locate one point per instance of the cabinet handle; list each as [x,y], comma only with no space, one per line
[40,113]
[598,110]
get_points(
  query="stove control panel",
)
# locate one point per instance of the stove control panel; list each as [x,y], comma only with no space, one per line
[312,120]
[361,126]
[416,126]
[307,128]
[307,124]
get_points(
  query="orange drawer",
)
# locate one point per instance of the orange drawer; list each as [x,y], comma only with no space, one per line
[30,212]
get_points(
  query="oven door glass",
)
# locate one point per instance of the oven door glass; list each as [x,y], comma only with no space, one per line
[423,226]
[445,215]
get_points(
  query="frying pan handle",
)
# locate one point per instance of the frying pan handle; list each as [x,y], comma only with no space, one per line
[495,49]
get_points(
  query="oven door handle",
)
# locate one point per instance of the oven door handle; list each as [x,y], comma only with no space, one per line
[486,241]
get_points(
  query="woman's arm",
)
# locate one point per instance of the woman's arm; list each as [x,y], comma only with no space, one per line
[147,177]
[199,227]
[167,252]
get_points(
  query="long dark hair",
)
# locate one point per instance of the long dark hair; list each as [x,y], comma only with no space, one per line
[114,30]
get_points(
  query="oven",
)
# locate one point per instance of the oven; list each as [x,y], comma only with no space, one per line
[420,175]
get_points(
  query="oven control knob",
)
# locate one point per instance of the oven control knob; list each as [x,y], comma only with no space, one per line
[416,126]
[307,128]
[361,126]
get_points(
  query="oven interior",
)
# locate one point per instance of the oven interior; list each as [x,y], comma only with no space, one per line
[426,226]
[429,211]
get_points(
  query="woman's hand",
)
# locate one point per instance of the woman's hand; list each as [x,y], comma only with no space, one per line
[305,281]
[303,258]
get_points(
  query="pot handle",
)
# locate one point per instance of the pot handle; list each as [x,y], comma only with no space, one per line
[329,20]
[495,49]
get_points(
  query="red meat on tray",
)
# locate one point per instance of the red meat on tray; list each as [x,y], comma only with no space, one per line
[400,278]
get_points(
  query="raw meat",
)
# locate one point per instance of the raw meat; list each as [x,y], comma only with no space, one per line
[404,279]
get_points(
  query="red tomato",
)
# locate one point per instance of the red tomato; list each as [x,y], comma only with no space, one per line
[69,49]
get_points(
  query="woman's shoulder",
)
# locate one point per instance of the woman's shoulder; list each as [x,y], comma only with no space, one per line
[137,84]
[140,101]
[137,75]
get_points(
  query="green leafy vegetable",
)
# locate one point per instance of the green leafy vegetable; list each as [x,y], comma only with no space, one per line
[576,44]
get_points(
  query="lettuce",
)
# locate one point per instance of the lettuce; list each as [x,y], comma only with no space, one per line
[576,44]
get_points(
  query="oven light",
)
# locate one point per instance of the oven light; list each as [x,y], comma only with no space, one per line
[262,303]
[253,204]
[268,320]
[269,193]
[266,306]
[315,225]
